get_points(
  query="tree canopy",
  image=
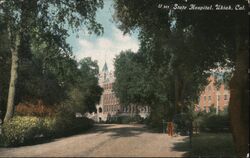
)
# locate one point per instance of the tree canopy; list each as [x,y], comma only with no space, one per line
[184,45]
[36,33]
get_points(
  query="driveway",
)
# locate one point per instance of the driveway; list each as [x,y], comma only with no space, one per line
[105,140]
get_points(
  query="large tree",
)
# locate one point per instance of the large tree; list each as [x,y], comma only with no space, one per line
[88,85]
[4,67]
[212,37]
[43,20]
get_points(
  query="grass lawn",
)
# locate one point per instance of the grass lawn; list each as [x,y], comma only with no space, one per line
[208,145]
[212,144]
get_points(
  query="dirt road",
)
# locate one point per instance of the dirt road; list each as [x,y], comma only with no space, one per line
[105,141]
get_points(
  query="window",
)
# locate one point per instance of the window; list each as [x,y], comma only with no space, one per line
[218,97]
[225,97]
[219,107]
[208,110]
[209,97]
[205,98]
[205,108]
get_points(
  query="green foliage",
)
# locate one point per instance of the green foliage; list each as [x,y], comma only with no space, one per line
[212,109]
[125,119]
[2,140]
[88,85]
[74,83]
[48,130]
[208,145]
[182,123]
[67,124]
[84,93]
[131,85]
[179,49]
[215,123]
[157,115]
[64,119]
[165,76]
[21,130]
[47,68]
[213,144]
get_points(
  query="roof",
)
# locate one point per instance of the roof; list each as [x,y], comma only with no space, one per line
[105,68]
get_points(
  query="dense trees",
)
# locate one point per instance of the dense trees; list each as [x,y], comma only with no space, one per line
[184,45]
[86,92]
[44,23]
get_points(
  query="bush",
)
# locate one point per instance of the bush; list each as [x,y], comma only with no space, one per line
[21,130]
[63,122]
[66,123]
[125,119]
[159,114]
[48,127]
[1,140]
[181,123]
[215,123]
[65,126]
[82,124]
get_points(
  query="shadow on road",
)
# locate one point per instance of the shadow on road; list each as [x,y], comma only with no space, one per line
[121,130]
[182,146]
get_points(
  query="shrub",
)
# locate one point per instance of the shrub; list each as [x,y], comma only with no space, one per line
[182,123]
[48,127]
[67,126]
[82,124]
[1,140]
[66,123]
[158,114]
[125,119]
[21,130]
[215,123]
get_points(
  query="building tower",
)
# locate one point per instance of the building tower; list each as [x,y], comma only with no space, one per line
[109,105]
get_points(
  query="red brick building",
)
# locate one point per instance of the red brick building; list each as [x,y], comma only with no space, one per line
[109,104]
[213,96]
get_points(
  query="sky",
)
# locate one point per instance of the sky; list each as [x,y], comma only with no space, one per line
[107,46]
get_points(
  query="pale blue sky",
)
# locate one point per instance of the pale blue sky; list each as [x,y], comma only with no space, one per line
[106,46]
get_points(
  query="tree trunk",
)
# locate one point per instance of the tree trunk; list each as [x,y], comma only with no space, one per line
[13,80]
[178,93]
[176,86]
[239,100]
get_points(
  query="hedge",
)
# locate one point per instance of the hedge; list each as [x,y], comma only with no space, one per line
[215,123]
[23,130]
[125,119]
